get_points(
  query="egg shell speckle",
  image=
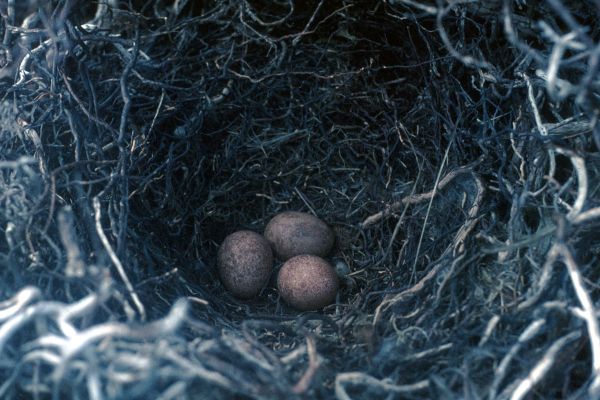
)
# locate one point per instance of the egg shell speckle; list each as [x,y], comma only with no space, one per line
[307,282]
[293,233]
[245,262]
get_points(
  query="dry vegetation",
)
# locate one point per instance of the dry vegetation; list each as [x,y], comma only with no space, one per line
[453,146]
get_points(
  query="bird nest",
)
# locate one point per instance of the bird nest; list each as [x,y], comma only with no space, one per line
[453,147]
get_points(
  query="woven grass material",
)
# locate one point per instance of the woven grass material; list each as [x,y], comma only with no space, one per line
[452,146]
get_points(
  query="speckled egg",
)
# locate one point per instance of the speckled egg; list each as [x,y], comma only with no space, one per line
[292,233]
[307,282]
[245,262]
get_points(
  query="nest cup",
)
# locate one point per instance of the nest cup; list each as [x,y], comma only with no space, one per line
[454,144]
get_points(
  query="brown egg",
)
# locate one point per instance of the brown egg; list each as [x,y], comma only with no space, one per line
[292,233]
[245,262]
[307,282]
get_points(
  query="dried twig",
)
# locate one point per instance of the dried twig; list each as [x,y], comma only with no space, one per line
[416,198]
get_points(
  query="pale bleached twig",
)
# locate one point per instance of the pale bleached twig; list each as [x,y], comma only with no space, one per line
[416,198]
[359,378]
[116,261]
[543,366]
